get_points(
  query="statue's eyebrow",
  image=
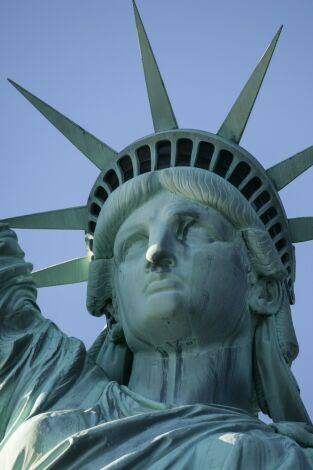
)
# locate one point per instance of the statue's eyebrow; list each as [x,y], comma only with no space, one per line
[185,212]
[202,214]
[190,210]
[181,209]
[194,214]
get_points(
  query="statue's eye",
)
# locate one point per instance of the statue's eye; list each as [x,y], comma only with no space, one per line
[184,226]
[133,246]
[191,231]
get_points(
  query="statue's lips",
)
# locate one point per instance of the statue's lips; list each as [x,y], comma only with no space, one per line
[162,282]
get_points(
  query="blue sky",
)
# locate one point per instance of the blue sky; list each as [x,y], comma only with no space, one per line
[83,59]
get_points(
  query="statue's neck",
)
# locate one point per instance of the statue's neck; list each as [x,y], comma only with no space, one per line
[220,375]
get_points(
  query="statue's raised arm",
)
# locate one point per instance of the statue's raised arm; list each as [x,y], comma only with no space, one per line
[38,363]
[20,322]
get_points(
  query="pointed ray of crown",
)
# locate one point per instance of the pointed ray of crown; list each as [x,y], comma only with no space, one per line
[286,171]
[95,150]
[73,218]
[69,272]
[170,147]
[235,122]
[161,109]
[301,229]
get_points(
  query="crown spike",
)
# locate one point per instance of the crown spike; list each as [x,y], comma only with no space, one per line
[95,150]
[235,122]
[300,229]
[68,272]
[161,109]
[73,218]
[286,171]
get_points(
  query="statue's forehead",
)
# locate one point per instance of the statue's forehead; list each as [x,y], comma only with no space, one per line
[165,206]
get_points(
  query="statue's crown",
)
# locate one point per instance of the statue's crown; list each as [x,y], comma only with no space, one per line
[170,146]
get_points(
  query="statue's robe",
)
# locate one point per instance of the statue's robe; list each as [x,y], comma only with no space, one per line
[58,410]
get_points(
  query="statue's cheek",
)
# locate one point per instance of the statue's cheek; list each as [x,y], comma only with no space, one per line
[218,294]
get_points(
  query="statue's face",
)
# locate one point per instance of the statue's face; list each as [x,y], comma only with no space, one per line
[180,276]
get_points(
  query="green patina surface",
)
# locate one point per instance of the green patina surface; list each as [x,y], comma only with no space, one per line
[190,258]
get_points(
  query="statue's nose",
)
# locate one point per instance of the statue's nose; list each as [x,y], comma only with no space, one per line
[159,255]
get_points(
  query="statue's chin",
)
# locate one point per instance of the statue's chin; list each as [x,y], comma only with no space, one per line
[163,300]
[163,318]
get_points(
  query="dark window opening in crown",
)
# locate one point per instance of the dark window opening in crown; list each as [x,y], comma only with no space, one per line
[223,162]
[275,230]
[262,199]
[144,157]
[204,155]
[101,193]
[239,174]
[111,179]
[251,187]
[163,154]
[184,150]
[95,209]
[280,244]
[268,215]
[91,226]
[126,165]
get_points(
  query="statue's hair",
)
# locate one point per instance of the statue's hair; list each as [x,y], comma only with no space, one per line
[202,187]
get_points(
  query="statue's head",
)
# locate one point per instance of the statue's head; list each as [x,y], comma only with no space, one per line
[184,258]
[180,257]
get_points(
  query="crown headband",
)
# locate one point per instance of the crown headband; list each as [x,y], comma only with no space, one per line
[169,147]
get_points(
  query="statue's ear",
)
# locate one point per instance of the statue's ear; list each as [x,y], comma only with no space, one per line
[266,296]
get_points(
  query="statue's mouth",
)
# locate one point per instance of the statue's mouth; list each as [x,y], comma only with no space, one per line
[157,282]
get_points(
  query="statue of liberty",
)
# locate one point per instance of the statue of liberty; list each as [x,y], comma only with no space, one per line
[190,258]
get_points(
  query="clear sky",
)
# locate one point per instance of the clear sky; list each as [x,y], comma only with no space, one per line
[83,59]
